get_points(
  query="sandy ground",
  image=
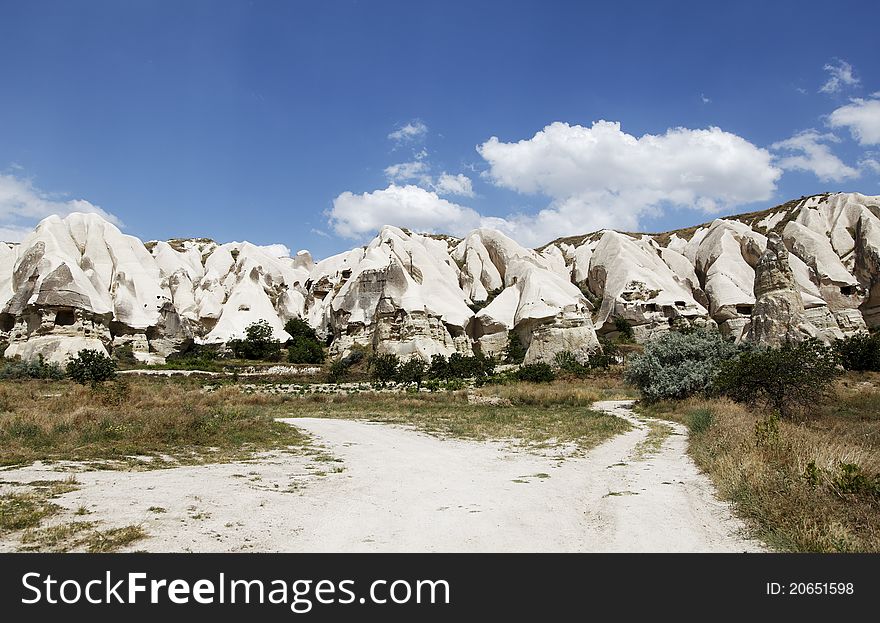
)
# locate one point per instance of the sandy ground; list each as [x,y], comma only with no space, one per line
[400,490]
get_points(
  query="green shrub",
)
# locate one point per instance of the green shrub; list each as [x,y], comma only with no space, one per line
[536,373]
[91,367]
[125,355]
[567,363]
[304,346]
[439,368]
[515,351]
[258,344]
[459,366]
[850,478]
[624,327]
[412,371]
[699,420]
[339,369]
[383,367]
[788,379]
[33,369]
[859,352]
[677,365]
[606,357]
[305,351]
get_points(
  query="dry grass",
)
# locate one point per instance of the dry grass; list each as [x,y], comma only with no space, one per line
[537,414]
[564,392]
[26,504]
[791,483]
[154,418]
[80,535]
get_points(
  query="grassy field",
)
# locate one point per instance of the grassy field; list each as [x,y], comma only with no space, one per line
[537,415]
[140,422]
[812,485]
[153,422]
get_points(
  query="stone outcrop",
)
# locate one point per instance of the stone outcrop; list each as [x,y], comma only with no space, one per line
[808,267]
[779,315]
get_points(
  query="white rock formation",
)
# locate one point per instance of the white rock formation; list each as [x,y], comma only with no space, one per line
[78,282]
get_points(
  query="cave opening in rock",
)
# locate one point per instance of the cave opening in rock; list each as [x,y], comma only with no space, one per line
[7,322]
[64,318]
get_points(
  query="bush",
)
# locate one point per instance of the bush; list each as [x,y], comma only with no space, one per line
[305,351]
[515,351]
[304,347]
[257,344]
[536,373]
[699,420]
[788,379]
[859,352]
[439,368]
[339,368]
[460,366]
[384,367]
[607,357]
[413,371]
[678,365]
[91,367]
[624,327]
[568,363]
[33,369]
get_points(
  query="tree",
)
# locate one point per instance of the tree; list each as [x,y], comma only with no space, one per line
[91,367]
[305,347]
[677,365]
[515,351]
[439,368]
[788,379]
[624,327]
[412,371]
[859,352]
[258,343]
[384,367]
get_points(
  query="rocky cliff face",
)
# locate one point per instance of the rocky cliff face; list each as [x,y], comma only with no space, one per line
[812,264]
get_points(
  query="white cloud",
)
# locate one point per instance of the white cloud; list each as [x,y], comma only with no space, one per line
[870,164]
[705,99]
[402,172]
[814,156]
[460,184]
[22,204]
[862,117]
[600,176]
[840,75]
[355,216]
[410,132]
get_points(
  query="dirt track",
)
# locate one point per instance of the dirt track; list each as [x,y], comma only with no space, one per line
[400,490]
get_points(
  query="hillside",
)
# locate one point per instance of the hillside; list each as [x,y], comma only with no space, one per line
[78,282]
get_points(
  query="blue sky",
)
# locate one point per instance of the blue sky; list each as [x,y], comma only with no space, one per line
[282,122]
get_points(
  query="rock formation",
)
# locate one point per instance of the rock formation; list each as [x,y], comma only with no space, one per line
[778,315]
[807,267]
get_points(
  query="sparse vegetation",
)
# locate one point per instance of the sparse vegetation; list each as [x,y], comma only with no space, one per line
[515,351]
[34,369]
[159,418]
[810,485]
